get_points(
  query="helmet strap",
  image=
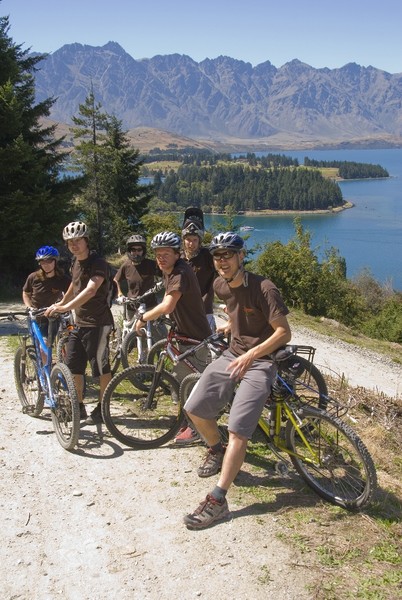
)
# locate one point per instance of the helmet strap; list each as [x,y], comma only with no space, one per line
[237,274]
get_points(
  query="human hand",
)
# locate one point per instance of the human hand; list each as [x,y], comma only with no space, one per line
[240,365]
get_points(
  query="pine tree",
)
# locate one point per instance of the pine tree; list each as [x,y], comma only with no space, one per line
[112,202]
[34,199]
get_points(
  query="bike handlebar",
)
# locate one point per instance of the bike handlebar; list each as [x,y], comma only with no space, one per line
[215,338]
[136,301]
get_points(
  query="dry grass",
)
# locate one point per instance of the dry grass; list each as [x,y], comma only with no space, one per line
[355,555]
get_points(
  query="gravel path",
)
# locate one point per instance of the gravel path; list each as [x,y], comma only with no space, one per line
[105,521]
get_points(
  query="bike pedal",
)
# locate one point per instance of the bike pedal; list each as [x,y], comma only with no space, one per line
[28,410]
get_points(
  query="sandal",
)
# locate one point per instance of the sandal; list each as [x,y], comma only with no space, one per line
[212,464]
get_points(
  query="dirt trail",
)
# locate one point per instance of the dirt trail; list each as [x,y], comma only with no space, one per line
[106,521]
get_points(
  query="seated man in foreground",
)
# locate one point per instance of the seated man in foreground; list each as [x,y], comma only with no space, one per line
[258,325]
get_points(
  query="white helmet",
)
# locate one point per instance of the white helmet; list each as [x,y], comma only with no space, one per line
[76,229]
[166,239]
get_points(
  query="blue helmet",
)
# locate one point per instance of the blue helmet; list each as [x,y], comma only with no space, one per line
[47,252]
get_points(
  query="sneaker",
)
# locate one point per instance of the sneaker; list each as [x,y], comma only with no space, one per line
[83,412]
[187,436]
[212,464]
[209,511]
[95,418]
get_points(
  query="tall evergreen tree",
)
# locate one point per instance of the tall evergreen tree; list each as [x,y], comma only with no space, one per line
[112,201]
[34,200]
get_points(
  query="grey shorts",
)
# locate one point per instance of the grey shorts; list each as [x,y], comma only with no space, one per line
[215,390]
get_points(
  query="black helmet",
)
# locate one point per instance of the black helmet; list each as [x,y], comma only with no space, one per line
[193,228]
[227,240]
[166,239]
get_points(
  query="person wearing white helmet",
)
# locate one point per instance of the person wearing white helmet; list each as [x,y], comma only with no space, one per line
[200,259]
[87,296]
[182,299]
[258,326]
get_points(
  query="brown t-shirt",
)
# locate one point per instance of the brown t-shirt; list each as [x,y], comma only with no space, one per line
[96,311]
[140,278]
[189,313]
[250,309]
[203,266]
[44,292]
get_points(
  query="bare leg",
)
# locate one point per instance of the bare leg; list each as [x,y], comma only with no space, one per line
[207,428]
[103,381]
[233,459]
[79,386]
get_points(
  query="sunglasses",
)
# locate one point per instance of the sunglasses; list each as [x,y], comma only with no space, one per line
[139,249]
[226,255]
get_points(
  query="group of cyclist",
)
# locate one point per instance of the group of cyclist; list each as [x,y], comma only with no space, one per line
[192,275]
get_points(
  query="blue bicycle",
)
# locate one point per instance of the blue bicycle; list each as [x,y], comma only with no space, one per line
[43,385]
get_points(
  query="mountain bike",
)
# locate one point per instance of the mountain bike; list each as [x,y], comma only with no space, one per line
[140,406]
[41,385]
[311,437]
[134,349]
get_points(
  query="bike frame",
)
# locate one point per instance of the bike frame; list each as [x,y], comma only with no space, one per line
[44,368]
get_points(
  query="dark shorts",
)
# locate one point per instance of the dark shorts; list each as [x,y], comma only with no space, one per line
[89,344]
[216,389]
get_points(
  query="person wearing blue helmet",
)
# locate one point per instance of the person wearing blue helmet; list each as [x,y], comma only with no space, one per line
[46,285]
[258,326]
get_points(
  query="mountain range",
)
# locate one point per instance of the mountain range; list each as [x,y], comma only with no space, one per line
[228,101]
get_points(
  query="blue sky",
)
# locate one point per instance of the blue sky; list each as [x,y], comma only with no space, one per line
[321,33]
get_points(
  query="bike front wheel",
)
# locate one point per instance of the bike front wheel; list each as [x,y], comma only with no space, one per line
[27,381]
[141,407]
[66,411]
[331,458]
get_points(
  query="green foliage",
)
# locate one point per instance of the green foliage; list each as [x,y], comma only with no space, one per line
[387,323]
[305,283]
[112,201]
[244,187]
[349,169]
[34,200]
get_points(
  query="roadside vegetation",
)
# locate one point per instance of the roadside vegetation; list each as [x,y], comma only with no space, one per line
[355,555]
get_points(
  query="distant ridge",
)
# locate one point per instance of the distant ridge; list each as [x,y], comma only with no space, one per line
[227,103]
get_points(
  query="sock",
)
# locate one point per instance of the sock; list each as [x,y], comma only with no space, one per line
[216,448]
[219,494]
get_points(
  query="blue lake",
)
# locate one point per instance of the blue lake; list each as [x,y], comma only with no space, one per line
[369,235]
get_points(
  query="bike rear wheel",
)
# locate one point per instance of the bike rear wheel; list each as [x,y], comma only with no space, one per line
[140,410]
[66,412]
[27,381]
[309,384]
[341,470]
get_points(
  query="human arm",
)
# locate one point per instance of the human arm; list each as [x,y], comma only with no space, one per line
[71,302]
[280,336]
[26,298]
[165,307]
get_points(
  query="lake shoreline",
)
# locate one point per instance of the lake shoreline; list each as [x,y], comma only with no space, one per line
[268,212]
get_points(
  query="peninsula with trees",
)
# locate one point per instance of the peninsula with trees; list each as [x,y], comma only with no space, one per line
[249,183]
